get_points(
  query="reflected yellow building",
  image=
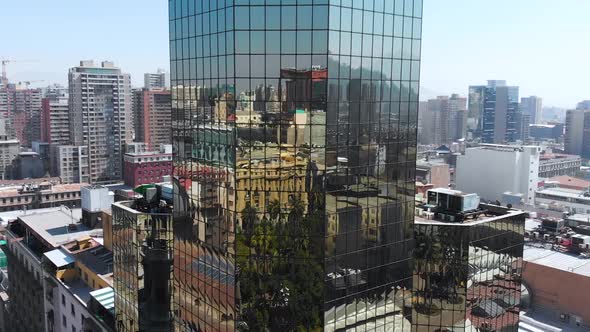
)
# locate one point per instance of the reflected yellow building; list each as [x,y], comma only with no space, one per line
[281,177]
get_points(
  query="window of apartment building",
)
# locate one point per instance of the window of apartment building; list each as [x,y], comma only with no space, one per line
[63,300]
[64,320]
[73,328]
[82,319]
[72,309]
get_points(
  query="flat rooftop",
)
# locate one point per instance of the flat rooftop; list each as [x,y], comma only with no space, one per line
[557,260]
[13,191]
[7,216]
[566,180]
[10,183]
[430,163]
[547,157]
[564,192]
[581,218]
[99,259]
[53,228]
[482,218]
[80,289]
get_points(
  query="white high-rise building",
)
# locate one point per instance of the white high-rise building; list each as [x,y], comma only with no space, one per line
[157,80]
[101,117]
[492,170]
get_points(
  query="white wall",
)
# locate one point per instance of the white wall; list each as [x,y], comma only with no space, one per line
[490,172]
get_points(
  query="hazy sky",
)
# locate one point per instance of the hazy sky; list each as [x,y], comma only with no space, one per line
[540,45]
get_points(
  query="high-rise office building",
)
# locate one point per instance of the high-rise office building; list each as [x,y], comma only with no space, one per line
[151,117]
[157,80]
[523,122]
[497,105]
[574,131]
[475,109]
[298,216]
[101,117]
[533,106]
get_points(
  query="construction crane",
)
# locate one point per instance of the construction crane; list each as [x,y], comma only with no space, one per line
[4,63]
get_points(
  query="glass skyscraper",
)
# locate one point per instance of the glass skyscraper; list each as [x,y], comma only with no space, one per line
[294,132]
[494,113]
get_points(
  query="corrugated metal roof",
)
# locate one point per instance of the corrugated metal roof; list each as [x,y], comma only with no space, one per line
[557,260]
[105,296]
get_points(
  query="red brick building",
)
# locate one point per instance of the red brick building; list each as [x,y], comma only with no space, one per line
[141,166]
[559,284]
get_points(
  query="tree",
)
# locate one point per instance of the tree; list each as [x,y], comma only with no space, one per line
[274,209]
[249,218]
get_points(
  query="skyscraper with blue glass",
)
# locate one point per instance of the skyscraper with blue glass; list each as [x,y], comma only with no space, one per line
[294,131]
[498,115]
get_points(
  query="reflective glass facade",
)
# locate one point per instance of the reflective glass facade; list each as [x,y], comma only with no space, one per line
[142,275]
[294,131]
[468,276]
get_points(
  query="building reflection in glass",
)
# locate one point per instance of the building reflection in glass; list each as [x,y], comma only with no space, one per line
[294,129]
[467,275]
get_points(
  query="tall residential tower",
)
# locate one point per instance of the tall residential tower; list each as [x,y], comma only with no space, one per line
[294,132]
[101,117]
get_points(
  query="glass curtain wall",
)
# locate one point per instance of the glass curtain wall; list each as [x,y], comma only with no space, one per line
[294,129]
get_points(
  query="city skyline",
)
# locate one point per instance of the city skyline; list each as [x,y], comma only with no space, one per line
[449,65]
[279,165]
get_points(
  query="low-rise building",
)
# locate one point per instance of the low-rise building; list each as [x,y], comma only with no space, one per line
[566,181]
[563,199]
[467,264]
[27,165]
[55,262]
[142,166]
[435,172]
[42,195]
[555,164]
[558,283]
